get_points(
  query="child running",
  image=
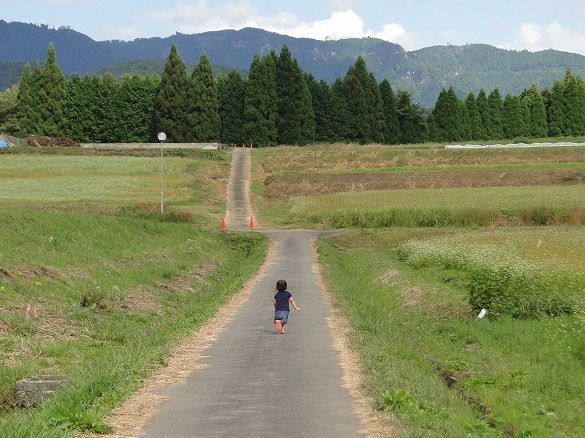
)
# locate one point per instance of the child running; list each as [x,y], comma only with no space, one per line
[282,298]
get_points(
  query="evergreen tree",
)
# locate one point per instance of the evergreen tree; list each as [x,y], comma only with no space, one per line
[525,117]
[202,107]
[260,102]
[105,109]
[170,107]
[494,127]
[377,117]
[533,99]
[556,110]
[512,118]
[295,117]
[476,126]
[433,132]
[359,129]
[24,100]
[448,116]
[231,91]
[412,123]
[52,97]
[375,123]
[580,107]
[134,102]
[322,102]
[8,110]
[483,109]
[465,125]
[340,114]
[80,115]
[392,131]
[574,101]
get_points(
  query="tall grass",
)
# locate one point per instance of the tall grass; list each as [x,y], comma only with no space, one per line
[437,370]
[526,273]
[343,157]
[445,207]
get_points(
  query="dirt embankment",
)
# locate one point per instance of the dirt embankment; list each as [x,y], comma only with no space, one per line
[306,184]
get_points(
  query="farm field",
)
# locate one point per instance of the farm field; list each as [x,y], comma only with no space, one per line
[439,237]
[327,187]
[104,183]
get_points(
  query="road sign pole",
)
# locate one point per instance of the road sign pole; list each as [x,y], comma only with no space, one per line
[162,137]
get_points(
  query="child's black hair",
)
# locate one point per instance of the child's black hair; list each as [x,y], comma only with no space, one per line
[281,285]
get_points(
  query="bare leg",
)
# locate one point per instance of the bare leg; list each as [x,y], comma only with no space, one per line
[283,330]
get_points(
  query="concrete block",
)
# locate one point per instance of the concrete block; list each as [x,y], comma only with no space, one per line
[30,390]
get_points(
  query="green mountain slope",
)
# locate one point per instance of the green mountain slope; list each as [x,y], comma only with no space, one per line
[424,72]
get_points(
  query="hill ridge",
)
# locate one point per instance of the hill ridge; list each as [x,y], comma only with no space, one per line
[424,72]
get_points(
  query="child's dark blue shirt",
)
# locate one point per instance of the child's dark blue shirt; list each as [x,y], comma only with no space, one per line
[282,298]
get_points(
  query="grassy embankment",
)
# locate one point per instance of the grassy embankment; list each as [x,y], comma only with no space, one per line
[412,294]
[96,287]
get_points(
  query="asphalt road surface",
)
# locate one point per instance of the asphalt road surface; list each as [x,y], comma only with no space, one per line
[257,382]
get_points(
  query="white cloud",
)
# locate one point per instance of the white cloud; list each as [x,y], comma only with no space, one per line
[200,16]
[340,25]
[534,37]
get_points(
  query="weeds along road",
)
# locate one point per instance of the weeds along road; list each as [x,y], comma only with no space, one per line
[255,382]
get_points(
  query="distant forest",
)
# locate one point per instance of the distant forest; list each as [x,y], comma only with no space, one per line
[276,104]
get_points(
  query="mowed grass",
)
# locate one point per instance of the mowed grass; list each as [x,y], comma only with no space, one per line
[195,184]
[435,368]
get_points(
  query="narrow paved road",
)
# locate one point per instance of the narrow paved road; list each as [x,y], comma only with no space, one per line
[238,197]
[257,382]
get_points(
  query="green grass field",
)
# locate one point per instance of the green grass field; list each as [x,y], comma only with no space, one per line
[94,180]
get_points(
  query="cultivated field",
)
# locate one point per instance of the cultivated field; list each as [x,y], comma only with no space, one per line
[379,186]
[105,181]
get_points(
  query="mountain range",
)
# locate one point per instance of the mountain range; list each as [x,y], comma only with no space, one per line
[424,72]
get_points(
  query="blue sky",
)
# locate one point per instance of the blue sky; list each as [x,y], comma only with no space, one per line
[511,24]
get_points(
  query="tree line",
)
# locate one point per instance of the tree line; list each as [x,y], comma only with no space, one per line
[277,103]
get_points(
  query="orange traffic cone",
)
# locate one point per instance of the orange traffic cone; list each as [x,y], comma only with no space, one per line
[243,145]
[223,227]
[251,146]
[251,222]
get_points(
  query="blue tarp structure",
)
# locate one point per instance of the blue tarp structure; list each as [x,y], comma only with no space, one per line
[3,144]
